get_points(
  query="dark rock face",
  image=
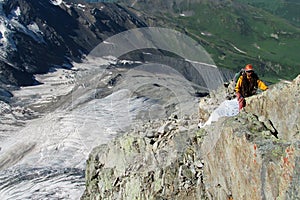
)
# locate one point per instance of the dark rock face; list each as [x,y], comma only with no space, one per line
[62,34]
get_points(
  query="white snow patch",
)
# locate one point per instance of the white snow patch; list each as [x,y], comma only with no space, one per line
[67,5]
[35,32]
[285,81]
[206,34]
[15,13]
[56,2]
[31,30]
[201,63]
[256,46]
[8,27]
[225,109]
[274,35]
[3,31]
[34,27]
[106,42]
[124,62]
[237,49]
[7,43]
[81,5]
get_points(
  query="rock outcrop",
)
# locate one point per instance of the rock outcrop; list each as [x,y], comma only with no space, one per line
[257,153]
[160,161]
[253,155]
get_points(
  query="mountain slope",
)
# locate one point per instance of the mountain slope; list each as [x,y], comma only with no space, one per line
[234,34]
[287,9]
[35,39]
[37,35]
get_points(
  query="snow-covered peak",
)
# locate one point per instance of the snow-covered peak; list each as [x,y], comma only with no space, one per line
[6,41]
[9,25]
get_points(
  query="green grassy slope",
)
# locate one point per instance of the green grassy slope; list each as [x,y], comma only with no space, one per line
[237,34]
[287,9]
[241,34]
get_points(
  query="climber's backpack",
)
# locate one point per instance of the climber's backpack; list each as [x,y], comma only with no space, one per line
[237,75]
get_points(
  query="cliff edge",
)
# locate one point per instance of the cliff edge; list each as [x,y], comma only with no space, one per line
[253,155]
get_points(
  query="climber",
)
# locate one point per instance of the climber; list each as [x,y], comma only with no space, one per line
[247,85]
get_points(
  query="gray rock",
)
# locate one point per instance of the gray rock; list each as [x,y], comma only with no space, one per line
[248,162]
[244,159]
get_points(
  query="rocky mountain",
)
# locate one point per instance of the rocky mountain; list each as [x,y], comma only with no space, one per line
[253,155]
[38,35]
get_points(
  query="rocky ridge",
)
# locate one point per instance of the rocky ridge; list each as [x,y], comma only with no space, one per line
[257,153]
[253,155]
